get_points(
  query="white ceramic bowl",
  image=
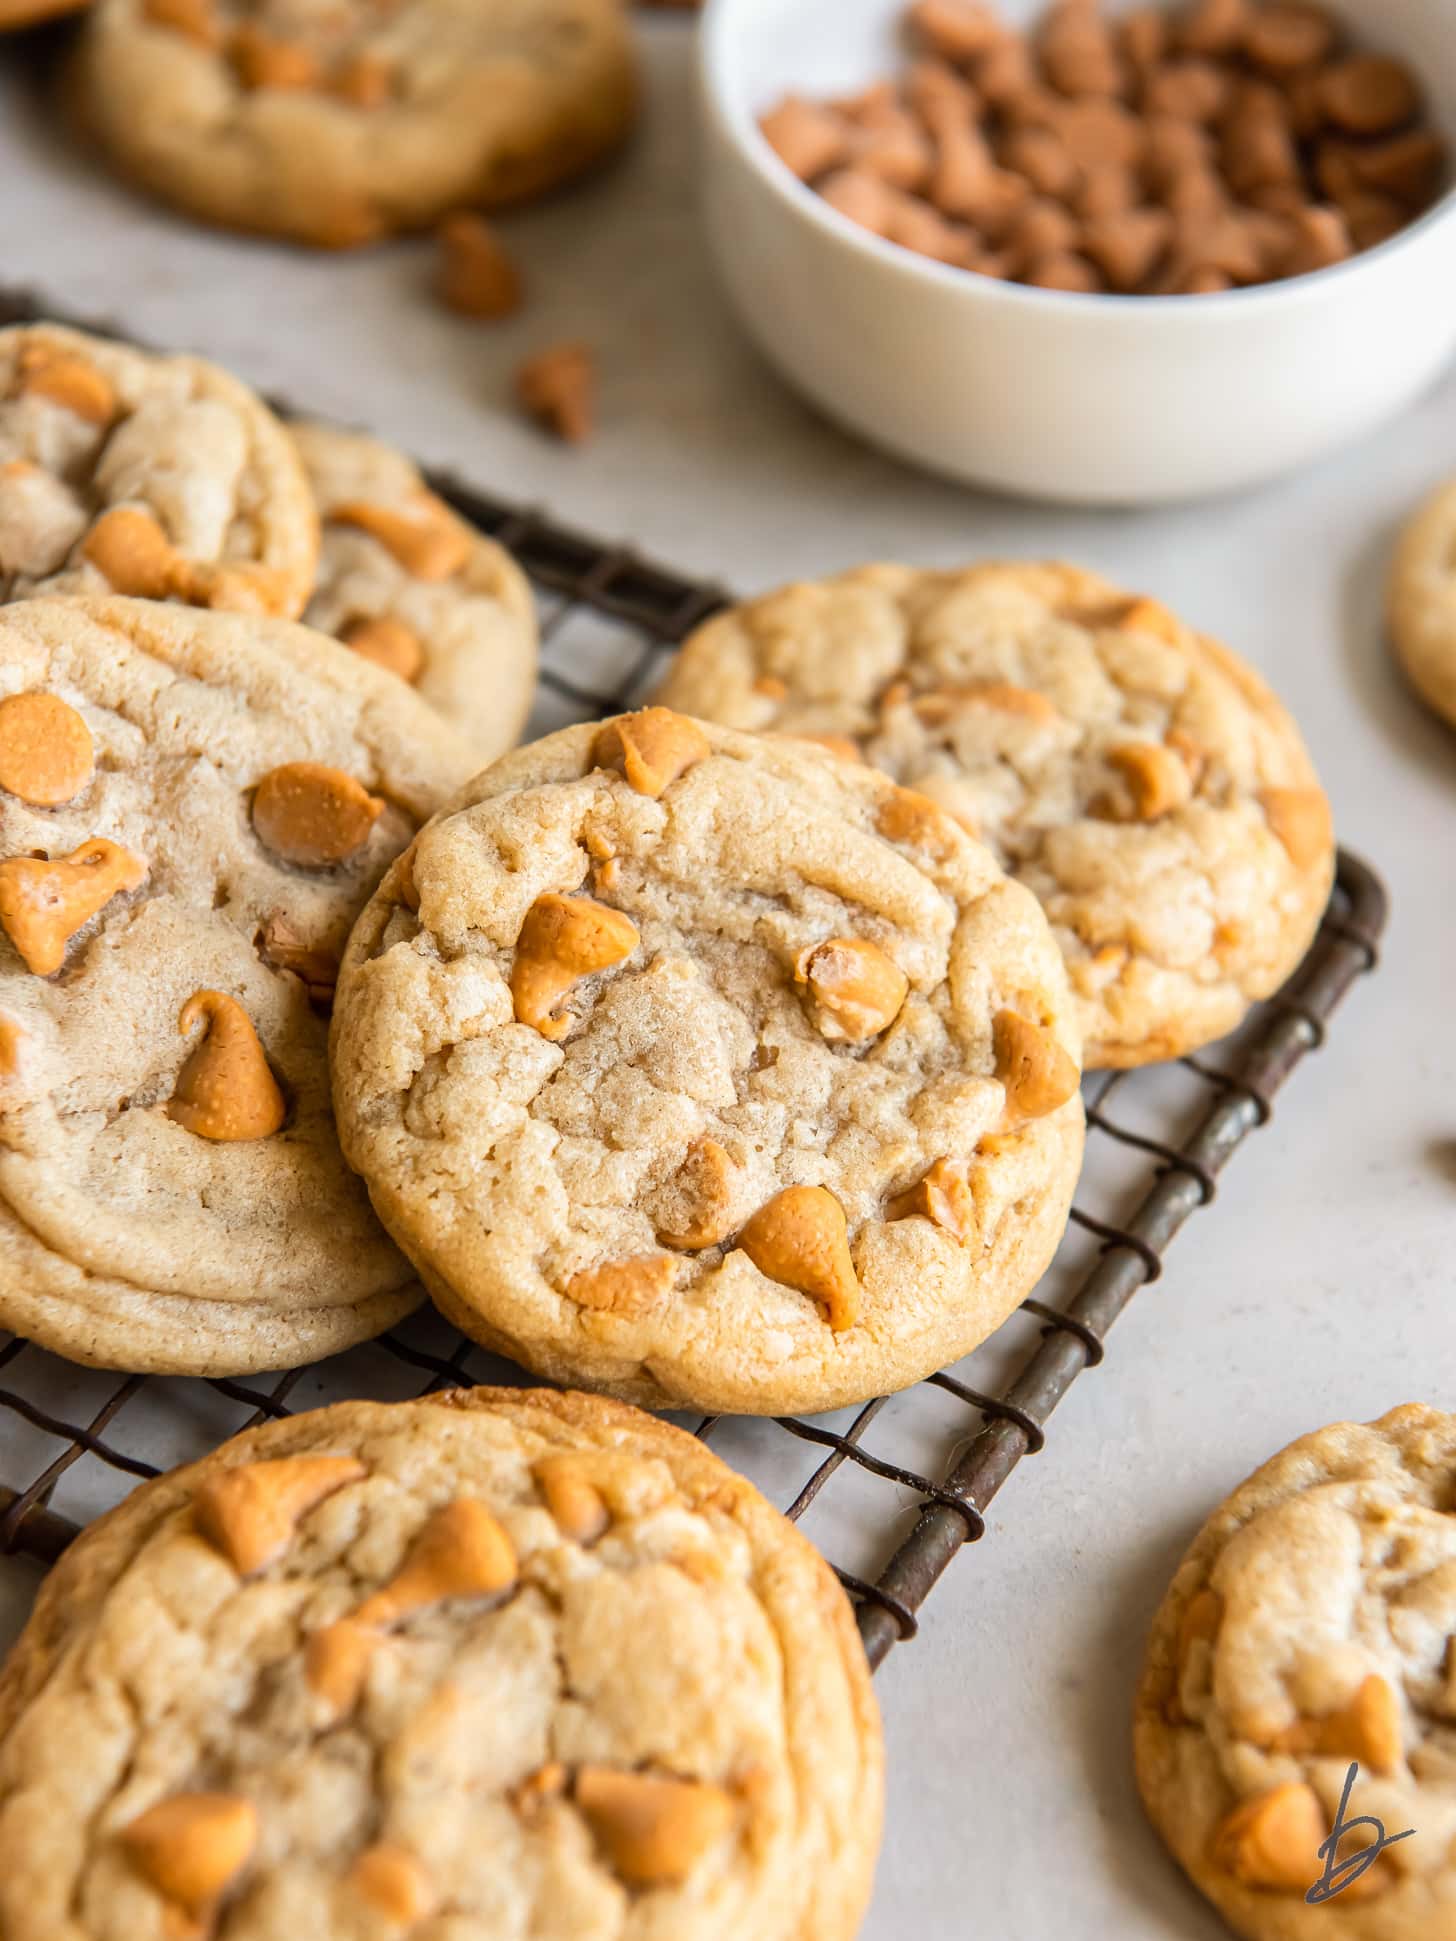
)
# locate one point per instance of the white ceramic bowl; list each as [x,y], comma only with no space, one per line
[1087,399]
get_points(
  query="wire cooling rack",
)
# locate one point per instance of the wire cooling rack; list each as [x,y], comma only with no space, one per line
[890,1491]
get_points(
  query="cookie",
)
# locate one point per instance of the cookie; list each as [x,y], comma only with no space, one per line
[337,122]
[496,1663]
[15,14]
[193,809]
[1141,780]
[126,472]
[706,1070]
[1421,602]
[409,585]
[1312,1625]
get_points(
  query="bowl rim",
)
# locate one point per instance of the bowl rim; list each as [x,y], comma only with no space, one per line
[1288,292]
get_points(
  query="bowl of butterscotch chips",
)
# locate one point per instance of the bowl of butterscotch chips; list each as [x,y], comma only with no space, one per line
[1089,253]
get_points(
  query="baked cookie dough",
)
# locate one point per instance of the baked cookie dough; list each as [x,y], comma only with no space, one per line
[122,471]
[708,1070]
[494,1664]
[1141,780]
[193,809]
[1313,1624]
[1422,602]
[412,587]
[336,122]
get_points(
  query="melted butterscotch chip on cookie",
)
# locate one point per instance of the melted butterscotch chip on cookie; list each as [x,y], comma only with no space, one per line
[647,1059]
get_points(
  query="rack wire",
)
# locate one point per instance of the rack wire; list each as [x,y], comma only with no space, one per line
[899,1485]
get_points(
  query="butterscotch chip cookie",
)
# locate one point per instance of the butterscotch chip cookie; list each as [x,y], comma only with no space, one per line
[1311,1627]
[709,1070]
[497,1663]
[1140,779]
[1421,602]
[193,809]
[336,122]
[122,471]
[410,586]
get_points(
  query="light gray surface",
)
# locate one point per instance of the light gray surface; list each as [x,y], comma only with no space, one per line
[1320,1285]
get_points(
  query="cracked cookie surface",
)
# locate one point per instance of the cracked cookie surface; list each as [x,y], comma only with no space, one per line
[496,1663]
[1421,602]
[336,124]
[1139,779]
[410,585]
[122,471]
[707,1070]
[193,809]
[1312,1624]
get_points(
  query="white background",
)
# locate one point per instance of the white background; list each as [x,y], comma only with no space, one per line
[1320,1286]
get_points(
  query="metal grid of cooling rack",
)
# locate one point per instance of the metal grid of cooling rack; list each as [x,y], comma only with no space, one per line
[899,1485]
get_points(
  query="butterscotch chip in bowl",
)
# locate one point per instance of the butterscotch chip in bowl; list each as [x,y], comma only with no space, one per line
[412,587]
[162,477]
[645,1054]
[193,809]
[339,124]
[595,1685]
[1135,775]
[1308,1630]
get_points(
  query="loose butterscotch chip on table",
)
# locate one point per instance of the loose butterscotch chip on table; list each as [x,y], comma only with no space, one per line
[622,1656]
[193,809]
[579,1051]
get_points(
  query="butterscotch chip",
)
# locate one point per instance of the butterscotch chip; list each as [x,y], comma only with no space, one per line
[860,196]
[1127,247]
[264,60]
[892,144]
[1036,1071]
[388,643]
[195,20]
[1079,52]
[250,1513]
[807,139]
[1287,36]
[218,1248]
[576,1504]
[1035,779]
[1064,272]
[1144,38]
[44,903]
[1191,89]
[1214,26]
[422,533]
[526,1720]
[1300,818]
[705,1007]
[943,1196]
[366,80]
[652,1830]
[226,1089]
[190,1848]
[477,276]
[1041,156]
[960,30]
[1319,237]
[129,549]
[1105,190]
[562,940]
[1371,218]
[1410,166]
[67,379]
[1296,1649]
[312,815]
[46,753]
[558,388]
[336,1664]
[625,1286]
[1370,94]
[461,1550]
[652,748]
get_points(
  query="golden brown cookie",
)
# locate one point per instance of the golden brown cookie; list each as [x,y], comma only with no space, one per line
[705,1069]
[496,1663]
[122,471]
[408,584]
[1135,775]
[337,122]
[193,809]
[1421,602]
[1312,1626]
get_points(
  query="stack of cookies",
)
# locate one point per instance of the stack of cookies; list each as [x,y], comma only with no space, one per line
[721,1055]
